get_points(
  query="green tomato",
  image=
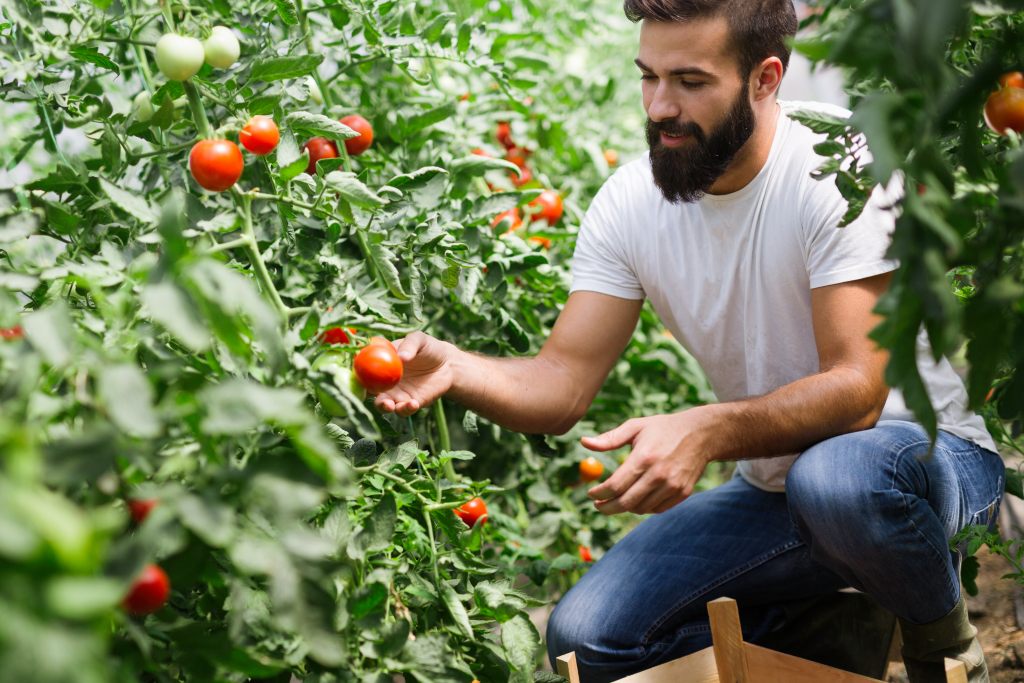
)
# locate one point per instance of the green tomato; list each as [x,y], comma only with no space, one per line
[221,47]
[143,106]
[179,57]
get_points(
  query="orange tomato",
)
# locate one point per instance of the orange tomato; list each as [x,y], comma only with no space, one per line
[512,217]
[1004,110]
[585,554]
[591,469]
[1013,79]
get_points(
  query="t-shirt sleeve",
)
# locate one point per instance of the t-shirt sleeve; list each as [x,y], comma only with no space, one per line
[833,254]
[600,261]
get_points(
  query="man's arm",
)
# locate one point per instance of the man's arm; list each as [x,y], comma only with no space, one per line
[670,452]
[547,393]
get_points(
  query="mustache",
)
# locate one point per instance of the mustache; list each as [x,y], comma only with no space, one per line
[676,128]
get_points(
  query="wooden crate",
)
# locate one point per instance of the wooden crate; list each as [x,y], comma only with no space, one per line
[731,660]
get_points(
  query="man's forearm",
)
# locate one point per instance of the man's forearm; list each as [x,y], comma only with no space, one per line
[531,395]
[796,416]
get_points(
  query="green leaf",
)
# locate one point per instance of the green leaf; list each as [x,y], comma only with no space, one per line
[87,53]
[351,188]
[278,68]
[83,597]
[418,122]
[457,610]
[366,599]
[128,398]
[384,261]
[209,519]
[134,203]
[377,533]
[318,124]
[416,179]
[169,305]
[287,12]
[50,332]
[236,406]
[520,640]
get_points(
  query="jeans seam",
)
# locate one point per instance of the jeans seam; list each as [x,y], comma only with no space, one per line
[903,500]
[708,587]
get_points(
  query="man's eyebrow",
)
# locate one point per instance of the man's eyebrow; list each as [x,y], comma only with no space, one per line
[681,71]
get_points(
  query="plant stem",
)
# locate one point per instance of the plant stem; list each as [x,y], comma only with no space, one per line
[226,246]
[195,103]
[255,258]
[443,436]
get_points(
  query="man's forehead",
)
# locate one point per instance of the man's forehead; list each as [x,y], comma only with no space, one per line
[698,43]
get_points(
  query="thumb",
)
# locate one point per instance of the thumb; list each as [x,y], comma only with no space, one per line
[615,438]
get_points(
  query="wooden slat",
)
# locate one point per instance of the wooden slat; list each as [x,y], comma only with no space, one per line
[698,667]
[770,666]
[567,667]
[956,671]
[728,641]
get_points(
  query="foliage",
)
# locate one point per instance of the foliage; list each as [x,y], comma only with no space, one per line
[163,342]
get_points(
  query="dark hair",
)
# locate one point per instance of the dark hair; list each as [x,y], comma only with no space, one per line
[759,28]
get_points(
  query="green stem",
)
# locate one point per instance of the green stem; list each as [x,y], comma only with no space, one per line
[195,103]
[255,258]
[443,436]
[226,246]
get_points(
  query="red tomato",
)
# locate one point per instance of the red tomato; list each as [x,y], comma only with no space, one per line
[335,335]
[356,146]
[1013,79]
[472,511]
[591,469]
[319,148]
[481,153]
[377,365]
[548,206]
[541,240]
[260,135]
[149,592]
[140,509]
[216,164]
[1004,110]
[511,216]
[611,157]
[520,180]
[504,134]
[517,156]
[585,554]
[11,333]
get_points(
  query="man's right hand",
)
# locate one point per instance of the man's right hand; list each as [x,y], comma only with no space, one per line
[426,375]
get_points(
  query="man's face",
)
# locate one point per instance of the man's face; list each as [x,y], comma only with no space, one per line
[698,107]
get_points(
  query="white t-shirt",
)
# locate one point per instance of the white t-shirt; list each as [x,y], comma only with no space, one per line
[731,275]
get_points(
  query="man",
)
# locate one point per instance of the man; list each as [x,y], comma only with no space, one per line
[737,248]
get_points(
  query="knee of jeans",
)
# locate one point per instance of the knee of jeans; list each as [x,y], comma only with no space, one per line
[820,495]
[571,628]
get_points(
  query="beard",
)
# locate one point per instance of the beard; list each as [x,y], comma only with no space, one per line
[686,173]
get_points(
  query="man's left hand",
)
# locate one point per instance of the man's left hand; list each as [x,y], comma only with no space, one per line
[670,453]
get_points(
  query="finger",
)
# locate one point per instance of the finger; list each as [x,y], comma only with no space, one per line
[411,345]
[668,504]
[617,484]
[407,408]
[616,438]
[629,500]
[657,498]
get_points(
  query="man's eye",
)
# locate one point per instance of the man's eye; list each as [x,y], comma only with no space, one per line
[648,77]
[691,85]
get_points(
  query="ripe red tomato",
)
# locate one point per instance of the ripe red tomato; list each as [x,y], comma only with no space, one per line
[1013,79]
[472,511]
[335,335]
[356,146]
[149,592]
[216,164]
[517,155]
[585,554]
[377,365]
[140,509]
[520,180]
[548,206]
[319,148]
[504,134]
[11,333]
[1004,110]
[591,469]
[512,217]
[260,135]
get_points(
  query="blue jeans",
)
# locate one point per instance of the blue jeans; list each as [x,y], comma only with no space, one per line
[867,509]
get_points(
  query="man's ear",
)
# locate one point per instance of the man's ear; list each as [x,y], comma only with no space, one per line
[766,78]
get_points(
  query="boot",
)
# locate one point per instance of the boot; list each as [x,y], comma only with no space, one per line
[926,645]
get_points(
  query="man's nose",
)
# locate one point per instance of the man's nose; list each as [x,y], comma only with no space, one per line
[662,107]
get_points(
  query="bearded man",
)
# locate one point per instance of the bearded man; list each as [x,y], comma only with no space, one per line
[724,230]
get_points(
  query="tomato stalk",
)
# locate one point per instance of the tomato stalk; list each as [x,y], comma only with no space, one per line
[443,436]
[195,103]
[255,258]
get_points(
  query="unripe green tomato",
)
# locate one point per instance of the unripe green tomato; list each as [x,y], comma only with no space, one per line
[221,48]
[314,90]
[143,106]
[179,58]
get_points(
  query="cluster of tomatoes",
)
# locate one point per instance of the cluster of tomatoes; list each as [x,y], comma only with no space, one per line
[1004,109]
[151,588]
[322,148]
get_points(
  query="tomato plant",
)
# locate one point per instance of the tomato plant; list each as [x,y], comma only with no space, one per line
[216,165]
[358,145]
[259,135]
[149,592]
